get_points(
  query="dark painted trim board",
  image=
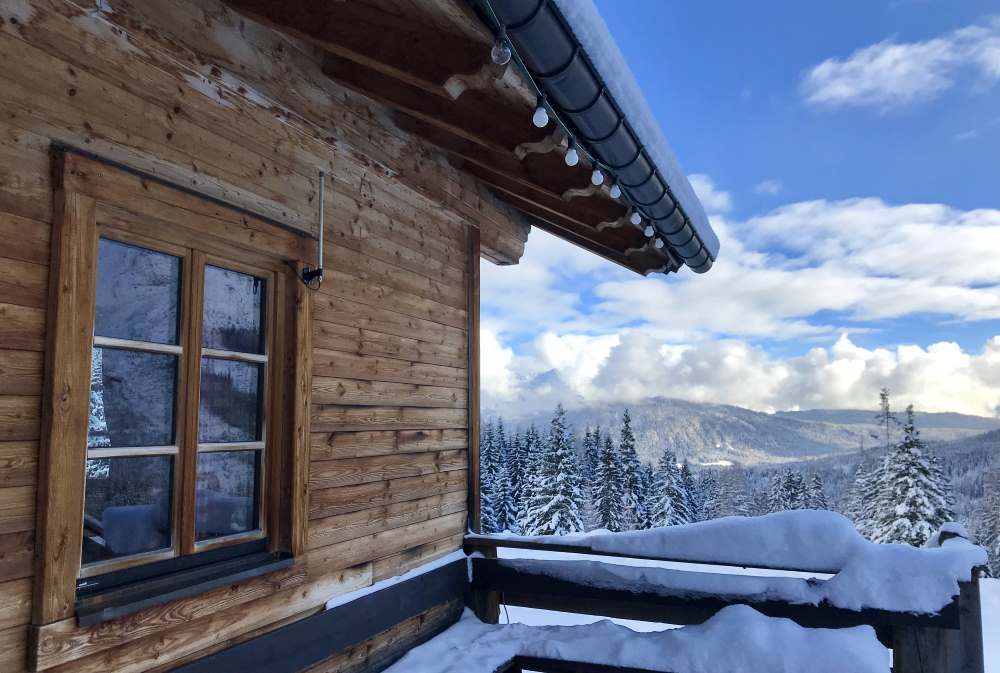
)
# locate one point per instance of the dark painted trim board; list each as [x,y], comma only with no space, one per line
[303,643]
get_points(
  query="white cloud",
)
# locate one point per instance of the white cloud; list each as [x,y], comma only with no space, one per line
[892,74]
[568,326]
[963,136]
[770,186]
[715,200]
[940,377]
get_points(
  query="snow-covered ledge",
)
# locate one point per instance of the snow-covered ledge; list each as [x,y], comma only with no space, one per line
[892,577]
[738,639]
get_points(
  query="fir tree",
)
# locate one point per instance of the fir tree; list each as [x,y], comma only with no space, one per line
[794,487]
[97,425]
[885,419]
[487,479]
[590,449]
[532,468]
[644,514]
[670,497]
[988,525]
[516,464]
[607,491]
[777,495]
[631,480]
[712,505]
[815,495]
[913,500]
[556,504]
[693,500]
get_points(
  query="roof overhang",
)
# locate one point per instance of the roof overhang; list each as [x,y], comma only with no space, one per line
[430,63]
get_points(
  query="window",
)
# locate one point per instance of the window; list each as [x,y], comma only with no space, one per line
[179,372]
[176,412]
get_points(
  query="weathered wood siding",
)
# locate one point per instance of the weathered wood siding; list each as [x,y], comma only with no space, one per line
[190,91]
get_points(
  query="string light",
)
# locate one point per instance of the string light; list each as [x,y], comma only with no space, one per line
[572,158]
[541,117]
[500,53]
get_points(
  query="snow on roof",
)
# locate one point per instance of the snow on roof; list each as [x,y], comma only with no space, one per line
[592,32]
[737,639]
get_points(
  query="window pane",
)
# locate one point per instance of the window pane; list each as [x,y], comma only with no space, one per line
[226,494]
[137,293]
[127,506]
[131,398]
[230,401]
[234,311]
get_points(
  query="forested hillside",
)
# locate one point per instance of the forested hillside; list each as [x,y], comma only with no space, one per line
[710,433]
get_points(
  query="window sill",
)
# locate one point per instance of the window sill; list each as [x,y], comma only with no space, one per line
[125,600]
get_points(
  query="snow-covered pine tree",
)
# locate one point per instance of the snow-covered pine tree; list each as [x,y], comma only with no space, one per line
[607,489]
[487,478]
[644,517]
[532,468]
[557,504]
[515,478]
[97,426]
[777,494]
[737,487]
[912,500]
[943,494]
[711,493]
[692,495]
[885,419]
[794,486]
[503,504]
[631,480]
[855,499]
[589,457]
[987,533]
[815,495]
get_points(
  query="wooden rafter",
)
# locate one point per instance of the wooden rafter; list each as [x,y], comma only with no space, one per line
[405,63]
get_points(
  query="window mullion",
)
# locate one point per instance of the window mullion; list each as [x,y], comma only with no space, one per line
[192,368]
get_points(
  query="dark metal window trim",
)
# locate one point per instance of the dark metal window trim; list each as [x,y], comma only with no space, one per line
[124,592]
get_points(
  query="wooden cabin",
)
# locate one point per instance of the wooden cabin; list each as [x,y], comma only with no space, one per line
[203,438]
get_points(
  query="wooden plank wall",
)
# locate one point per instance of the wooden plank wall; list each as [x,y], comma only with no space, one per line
[192,92]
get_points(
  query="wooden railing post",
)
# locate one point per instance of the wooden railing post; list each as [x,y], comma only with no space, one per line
[485,603]
[928,650]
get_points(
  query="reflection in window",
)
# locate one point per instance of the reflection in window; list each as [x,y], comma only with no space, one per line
[227,496]
[230,401]
[234,311]
[127,506]
[131,398]
[138,292]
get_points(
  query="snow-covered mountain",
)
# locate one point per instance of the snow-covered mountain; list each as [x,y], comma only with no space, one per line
[713,433]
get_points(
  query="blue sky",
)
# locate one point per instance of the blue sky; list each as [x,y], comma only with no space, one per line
[846,153]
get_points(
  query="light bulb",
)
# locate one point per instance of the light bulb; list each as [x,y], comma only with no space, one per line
[615,191]
[541,117]
[500,53]
[635,219]
[572,158]
[658,243]
[648,231]
[597,177]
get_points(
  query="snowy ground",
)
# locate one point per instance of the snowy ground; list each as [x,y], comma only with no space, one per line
[990,597]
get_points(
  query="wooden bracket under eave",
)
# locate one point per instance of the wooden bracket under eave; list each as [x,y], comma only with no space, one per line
[553,141]
[582,192]
[484,78]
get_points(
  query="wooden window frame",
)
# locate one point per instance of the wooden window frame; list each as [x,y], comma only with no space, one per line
[95,199]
